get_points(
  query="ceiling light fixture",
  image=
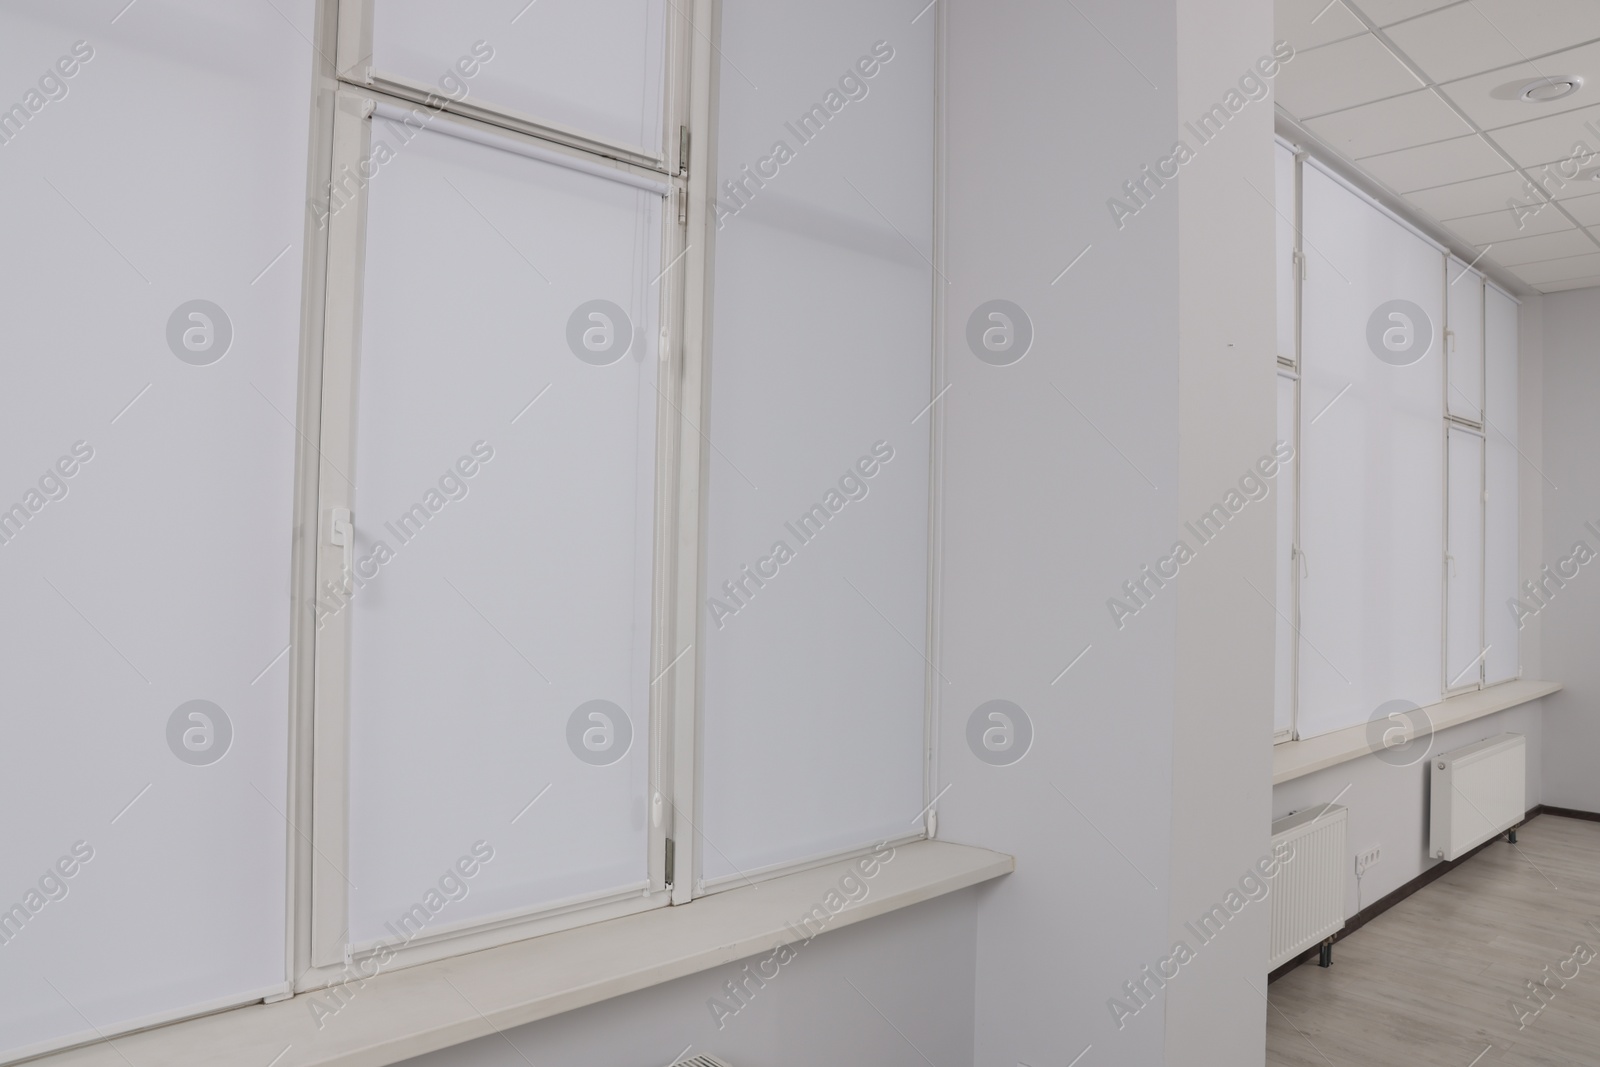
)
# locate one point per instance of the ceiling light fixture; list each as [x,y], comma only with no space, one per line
[1589,174]
[1547,90]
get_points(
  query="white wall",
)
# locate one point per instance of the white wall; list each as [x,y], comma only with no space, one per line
[1145,795]
[915,966]
[1044,518]
[1389,805]
[1227,418]
[1532,489]
[1571,326]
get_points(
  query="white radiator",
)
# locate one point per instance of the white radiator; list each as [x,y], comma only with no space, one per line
[1477,792]
[1308,888]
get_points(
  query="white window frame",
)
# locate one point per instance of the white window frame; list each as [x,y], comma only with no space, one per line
[354,60]
[1478,427]
[1516,504]
[1474,671]
[349,91]
[1289,367]
[1291,610]
[321,951]
[1292,368]
[702,192]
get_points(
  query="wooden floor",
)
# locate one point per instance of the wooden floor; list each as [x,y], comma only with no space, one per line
[1432,980]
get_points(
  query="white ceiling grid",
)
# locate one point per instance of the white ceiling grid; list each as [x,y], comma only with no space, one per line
[1424,97]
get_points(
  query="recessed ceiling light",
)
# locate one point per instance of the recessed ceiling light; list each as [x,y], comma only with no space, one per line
[1546,90]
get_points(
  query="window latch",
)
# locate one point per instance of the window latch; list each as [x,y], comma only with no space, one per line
[342,534]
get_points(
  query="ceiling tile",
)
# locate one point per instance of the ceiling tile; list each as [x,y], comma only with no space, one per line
[1453,43]
[1557,187]
[1554,178]
[1398,122]
[1544,246]
[1435,164]
[1552,137]
[1493,99]
[1559,270]
[1575,283]
[1533,218]
[1340,75]
[1308,23]
[1383,12]
[1507,225]
[1464,39]
[1473,197]
[1586,209]
[1538,29]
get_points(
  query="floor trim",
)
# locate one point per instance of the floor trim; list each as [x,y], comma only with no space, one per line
[1438,870]
[1567,813]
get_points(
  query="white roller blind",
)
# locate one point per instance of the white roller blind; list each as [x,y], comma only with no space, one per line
[594,67]
[1286,213]
[1503,660]
[505,464]
[1372,492]
[1464,560]
[1283,702]
[151,270]
[1464,299]
[816,560]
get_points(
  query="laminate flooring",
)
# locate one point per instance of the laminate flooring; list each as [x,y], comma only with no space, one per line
[1441,979]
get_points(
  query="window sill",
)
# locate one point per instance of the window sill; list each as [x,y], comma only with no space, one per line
[1295,759]
[420,1009]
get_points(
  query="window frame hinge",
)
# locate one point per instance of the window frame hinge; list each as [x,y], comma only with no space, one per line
[671,855]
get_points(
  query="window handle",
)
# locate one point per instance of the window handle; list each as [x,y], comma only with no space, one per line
[342,534]
[1450,564]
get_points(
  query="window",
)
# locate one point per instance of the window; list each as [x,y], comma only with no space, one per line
[498,418]
[1501,659]
[566,363]
[526,234]
[1287,562]
[147,466]
[1406,362]
[814,632]
[1286,172]
[516,437]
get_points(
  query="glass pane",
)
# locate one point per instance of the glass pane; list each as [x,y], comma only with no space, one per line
[816,566]
[1371,490]
[1463,623]
[595,67]
[503,511]
[147,456]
